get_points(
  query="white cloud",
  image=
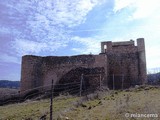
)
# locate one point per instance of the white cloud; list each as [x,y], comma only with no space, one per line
[120,4]
[146,8]
[24,47]
[28,47]
[89,45]
[9,58]
[56,18]
[68,13]
[142,8]
[48,23]
[4,30]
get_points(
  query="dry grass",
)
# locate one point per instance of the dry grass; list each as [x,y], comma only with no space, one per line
[4,92]
[103,106]
[115,105]
[33,110]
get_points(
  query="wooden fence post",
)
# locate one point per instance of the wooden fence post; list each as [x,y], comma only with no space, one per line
[51,105]
[113,82]
[122,81]
[100,81]
[81,85]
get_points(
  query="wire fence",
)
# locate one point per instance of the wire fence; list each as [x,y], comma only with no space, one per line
[86,85]
[41,92]
[120,81]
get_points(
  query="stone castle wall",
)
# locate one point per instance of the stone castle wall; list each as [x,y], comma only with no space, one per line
[116,58]
[124,58]
[39,71]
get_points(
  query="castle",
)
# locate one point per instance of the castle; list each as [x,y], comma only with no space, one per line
[118,62]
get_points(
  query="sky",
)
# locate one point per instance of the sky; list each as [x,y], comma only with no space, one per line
[72,27]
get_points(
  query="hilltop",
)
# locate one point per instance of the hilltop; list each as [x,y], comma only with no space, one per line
[9,84]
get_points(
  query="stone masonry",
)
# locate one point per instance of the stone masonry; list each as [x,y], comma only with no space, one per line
[116,60]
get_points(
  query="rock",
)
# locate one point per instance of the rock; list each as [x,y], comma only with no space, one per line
[83,105]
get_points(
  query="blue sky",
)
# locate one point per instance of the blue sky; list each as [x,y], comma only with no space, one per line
[71,27]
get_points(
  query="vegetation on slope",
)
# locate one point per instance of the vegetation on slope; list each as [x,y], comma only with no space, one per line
[117,104]
[109,105]
[34,110]
[4,92]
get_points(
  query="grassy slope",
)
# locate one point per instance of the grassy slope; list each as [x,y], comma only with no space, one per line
[4,92]
[114,107]
[33,109]
[107,107]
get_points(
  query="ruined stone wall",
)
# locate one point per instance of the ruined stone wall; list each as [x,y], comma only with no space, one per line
[39,71]
[123,65]
[31,74]
[118,58]
[142,60]
[124,58]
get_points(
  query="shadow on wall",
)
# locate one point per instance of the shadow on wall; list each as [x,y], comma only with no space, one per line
[90,79]
[120,81]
